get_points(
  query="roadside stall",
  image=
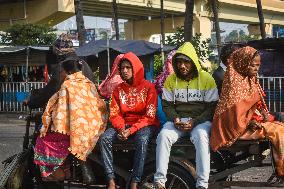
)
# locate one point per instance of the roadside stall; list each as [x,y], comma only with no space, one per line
[21,69]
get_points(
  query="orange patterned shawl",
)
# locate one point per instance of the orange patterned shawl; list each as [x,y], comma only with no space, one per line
[237,101]
[76,110]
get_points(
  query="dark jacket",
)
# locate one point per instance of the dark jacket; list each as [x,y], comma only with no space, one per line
[218,76]
[40,97]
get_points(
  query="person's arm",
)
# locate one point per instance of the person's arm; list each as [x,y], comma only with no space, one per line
[116,117]
[41,96]
[218,76]
[211,98]
[150,113]
[47,115]
[168,101]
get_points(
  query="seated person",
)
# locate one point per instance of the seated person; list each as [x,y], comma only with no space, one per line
[189,99]
[73,111]
[133,115]
[241,112]
[159,84]
[218,74]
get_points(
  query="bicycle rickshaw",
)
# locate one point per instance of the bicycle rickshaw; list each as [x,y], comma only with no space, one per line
[20,172]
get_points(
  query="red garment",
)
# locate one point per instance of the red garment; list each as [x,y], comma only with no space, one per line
[112,80]
[134,104]
[45,74]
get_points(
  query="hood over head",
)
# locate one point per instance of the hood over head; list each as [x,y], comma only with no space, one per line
[188,51]
[242,58]
[137,66]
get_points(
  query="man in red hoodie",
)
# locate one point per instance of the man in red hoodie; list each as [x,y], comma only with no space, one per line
[133,115]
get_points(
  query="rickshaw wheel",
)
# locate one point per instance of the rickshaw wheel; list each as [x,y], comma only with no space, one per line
[177,178]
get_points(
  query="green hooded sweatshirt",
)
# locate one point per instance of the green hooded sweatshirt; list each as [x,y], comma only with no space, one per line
[194,99]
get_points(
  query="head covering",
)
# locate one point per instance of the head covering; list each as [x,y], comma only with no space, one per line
[137,66]
[112,80]
[167,70]
[237,104]
[186,50]
[183,57]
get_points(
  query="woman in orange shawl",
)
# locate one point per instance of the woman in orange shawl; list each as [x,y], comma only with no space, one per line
[241,112]
[73,120]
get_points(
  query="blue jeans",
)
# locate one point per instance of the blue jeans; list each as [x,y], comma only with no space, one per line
[141,140]
[199,136]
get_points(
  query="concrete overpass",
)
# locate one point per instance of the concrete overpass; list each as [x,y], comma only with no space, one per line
[138,12]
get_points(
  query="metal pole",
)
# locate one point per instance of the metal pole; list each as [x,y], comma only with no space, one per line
[162,53]
[162,30]
[261,19]
[108,58]
[27,63]
[115,19]
[162,22]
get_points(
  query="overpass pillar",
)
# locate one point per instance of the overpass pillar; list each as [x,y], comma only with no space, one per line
[144,29]
[202,25]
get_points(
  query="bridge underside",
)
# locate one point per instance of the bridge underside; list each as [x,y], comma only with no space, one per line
[142,15]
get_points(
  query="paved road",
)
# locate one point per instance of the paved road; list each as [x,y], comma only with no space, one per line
[11,137]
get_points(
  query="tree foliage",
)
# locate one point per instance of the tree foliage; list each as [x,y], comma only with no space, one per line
[177,39]
[201,46]
[158,65]
[238,36]
[28,35]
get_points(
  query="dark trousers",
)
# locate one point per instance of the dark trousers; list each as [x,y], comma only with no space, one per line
[141,140]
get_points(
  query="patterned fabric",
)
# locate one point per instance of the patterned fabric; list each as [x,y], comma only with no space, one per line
[241,101]
[167,70]
[239,95]
[112,80]
[134,104]
[236,85]
[50,152]
[76,110]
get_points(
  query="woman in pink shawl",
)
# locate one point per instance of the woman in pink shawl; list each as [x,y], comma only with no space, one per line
[167,70]
[112,80]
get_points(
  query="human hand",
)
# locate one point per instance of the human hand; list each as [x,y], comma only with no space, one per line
[185,126]
[177,121]
[41,135]
[264,115]
[119,134]
[125,134]
[254,125]
[25,102]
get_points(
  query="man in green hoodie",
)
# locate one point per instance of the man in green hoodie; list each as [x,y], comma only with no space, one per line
[189,99]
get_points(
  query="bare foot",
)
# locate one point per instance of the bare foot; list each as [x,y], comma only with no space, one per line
[134,185]
[111,184]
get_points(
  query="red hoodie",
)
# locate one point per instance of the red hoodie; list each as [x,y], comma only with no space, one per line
[134,104]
